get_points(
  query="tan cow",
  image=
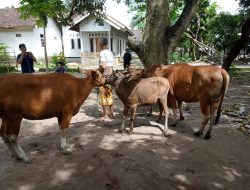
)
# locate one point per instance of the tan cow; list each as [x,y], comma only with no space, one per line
[41,96]
[204,84]
[140,92]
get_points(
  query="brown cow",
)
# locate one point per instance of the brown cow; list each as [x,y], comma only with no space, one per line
[204,84]
[141,92]
[41,96]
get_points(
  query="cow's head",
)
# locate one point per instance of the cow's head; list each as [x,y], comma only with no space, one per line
[96,75]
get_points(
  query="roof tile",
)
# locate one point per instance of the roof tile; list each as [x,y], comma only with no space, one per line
[10,18]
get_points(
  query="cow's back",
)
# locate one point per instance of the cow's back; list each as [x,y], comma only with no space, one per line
[188,83]
[148,90]
[37,96]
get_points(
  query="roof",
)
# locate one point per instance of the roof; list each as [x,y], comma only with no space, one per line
[110,20]
[10,18]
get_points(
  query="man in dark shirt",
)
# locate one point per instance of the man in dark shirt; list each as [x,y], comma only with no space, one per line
[26,59]
[126,59]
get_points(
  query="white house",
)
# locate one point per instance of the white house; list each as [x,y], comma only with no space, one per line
[87,33]
[14,31]
[79,40]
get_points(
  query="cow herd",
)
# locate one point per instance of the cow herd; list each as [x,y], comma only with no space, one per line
[43,96]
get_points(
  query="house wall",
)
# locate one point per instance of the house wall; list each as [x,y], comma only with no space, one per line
[69,35]
[89,29]
[89,25]
[31,37]
[120,40]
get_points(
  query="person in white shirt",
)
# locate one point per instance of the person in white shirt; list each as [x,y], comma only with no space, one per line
[105,92]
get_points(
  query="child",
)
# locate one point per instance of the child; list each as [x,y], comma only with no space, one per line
[61,68]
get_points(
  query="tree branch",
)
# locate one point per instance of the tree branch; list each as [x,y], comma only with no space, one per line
[138,48]
[184,20]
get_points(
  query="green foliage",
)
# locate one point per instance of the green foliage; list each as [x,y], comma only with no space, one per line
[4,56]
[177,58]
[41,10]
[5,69]
[138,8]
[58,58]
[225,30]
[233,70]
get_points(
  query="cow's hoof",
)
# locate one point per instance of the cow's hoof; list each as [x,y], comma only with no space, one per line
[167,135]
[182,118]
[207,136]
[120,131]
[174,124]
[28,161]
[65,152]
[198,133]
[129,132]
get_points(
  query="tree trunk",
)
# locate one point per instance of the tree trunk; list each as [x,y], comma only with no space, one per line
[154,33]
[45,50]
[239,44]
[160,39]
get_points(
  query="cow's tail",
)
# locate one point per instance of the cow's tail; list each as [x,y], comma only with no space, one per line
[225,84]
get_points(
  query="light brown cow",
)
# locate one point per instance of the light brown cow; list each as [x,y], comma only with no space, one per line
[141,92]
[204,84]
[41,96]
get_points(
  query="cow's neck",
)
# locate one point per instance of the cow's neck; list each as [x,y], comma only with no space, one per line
[120,88]
[86,87]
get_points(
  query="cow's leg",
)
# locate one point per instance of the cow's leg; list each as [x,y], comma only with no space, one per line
[161,111]
[13,128]
[205,109]
[213,107]
[180,110]
[64,121]
[3,131]
[125,113]
[133,110]
[175,117]
[172,104]
[166,131]
[21,154]
[150,111]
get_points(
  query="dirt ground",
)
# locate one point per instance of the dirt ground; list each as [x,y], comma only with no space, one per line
[102,159]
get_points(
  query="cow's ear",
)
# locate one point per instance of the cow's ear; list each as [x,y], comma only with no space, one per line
[86,72]
[96,73]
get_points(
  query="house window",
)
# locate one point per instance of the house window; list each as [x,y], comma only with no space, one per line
[111,44]
[72,44]
[18,35]
[79,43]
[101,23]
[120,48]
[91,41]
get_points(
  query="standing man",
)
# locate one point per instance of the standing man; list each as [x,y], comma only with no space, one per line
[105,92]
[26,59]
[127,59]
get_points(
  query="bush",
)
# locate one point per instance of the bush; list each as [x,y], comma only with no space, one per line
[233,70]
[4,56]
[57,58]
[177,58]
[5,68]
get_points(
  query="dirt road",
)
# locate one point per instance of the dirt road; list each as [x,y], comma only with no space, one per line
[102,159]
